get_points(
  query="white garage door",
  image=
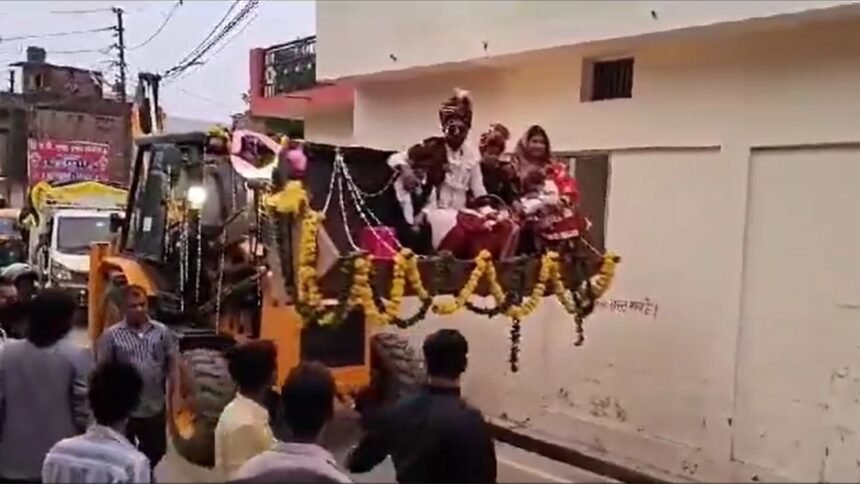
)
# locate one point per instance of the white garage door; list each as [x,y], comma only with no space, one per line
[798,382]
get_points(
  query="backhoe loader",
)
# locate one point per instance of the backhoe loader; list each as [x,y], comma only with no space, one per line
[214,233]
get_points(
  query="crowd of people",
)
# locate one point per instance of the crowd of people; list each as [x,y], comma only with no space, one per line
[72,415]
[454,199]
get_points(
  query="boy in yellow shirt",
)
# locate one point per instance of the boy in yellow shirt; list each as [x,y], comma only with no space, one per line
[243,429]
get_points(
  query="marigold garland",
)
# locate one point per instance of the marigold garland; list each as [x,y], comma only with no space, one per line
[482,262]
[361,293]
[405,270]
[293,200]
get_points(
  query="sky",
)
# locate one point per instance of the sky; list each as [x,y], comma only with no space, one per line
[210,92]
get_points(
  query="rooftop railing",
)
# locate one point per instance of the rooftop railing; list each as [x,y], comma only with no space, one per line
[290,67]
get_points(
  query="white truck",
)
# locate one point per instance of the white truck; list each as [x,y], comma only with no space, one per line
[63,222]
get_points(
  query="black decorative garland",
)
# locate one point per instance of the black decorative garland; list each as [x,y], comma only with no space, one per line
[515,297]
[421,314]
[488,312]
[404,323]
[514,358]
[583,298]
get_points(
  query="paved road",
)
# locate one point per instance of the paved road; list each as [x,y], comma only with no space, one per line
[515,465]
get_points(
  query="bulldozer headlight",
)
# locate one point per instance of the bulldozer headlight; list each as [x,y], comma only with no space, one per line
[60,273]
[196,197]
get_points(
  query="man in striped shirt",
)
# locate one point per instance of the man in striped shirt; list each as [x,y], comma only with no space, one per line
[103,454]
[151,349]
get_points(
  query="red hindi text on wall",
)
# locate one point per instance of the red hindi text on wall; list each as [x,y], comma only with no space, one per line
[62,161]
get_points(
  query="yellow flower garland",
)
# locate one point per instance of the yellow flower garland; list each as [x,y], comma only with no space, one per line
[405,270]
[548,268]
[308,291]
[293,200]
[602,281]
[290,200]
[482,262]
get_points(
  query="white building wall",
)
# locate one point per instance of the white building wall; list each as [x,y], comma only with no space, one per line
[740,362]
[332,127]
[366,37]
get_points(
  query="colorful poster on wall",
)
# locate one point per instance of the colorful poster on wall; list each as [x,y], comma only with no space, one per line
[64,161]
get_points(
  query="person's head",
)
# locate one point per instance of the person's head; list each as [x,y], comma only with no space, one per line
[51,314]
[135,305]
[430,159]
[307,398]
[446,354]
[535,144]
[534,181]
[455,116]
[8,293]
[253,366]
[294,161]
[25,285]
[493,143]
[114,392]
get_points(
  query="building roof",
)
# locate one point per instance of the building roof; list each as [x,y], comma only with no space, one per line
[52,66]
[90,105]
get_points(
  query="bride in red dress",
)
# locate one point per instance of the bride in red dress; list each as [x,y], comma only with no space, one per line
[550,196]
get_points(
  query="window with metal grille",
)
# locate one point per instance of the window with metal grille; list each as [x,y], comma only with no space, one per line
[608,79]
[290,67]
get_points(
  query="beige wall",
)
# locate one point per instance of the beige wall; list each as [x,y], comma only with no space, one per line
[359,37]
[333,127]
[797,400]
[747,370]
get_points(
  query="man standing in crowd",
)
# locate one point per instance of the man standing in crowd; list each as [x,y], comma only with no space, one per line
[433,436]
[8,305]
[307,399]
[103,453]
[43,388]
[150,347]
[243,429]
[24,277]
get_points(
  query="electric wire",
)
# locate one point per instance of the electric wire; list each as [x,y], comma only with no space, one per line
[229,27]
[55,34]
[195,67]
[160,27]
[210,34]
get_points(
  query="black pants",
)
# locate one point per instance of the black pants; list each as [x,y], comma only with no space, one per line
[150,436]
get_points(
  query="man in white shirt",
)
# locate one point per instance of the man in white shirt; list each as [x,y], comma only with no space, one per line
[462,166]
[103,453]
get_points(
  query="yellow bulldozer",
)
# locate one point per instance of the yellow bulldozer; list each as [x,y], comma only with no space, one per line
[230,245]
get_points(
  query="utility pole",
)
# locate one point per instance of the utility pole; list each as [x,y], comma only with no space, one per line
[120,45]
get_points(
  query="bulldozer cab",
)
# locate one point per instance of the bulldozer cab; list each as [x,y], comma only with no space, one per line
[186,206]
[169,172]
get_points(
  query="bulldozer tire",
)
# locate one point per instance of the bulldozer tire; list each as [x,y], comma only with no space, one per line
[396,370]
[192,425]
